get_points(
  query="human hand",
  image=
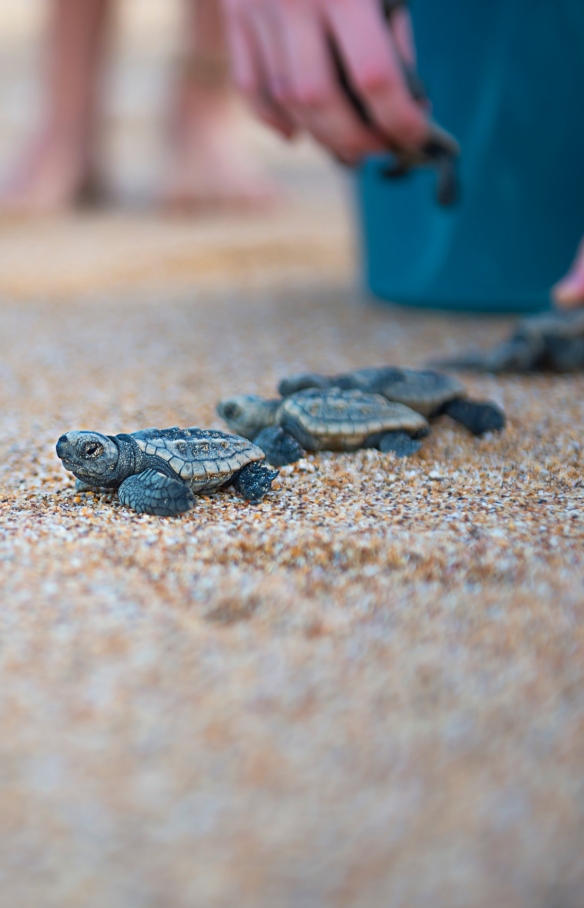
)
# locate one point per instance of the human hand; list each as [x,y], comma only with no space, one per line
[569,292]
[281,60]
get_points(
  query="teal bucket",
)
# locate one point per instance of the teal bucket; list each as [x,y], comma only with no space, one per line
[506,77]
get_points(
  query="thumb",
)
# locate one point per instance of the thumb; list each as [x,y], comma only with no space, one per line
[569,292]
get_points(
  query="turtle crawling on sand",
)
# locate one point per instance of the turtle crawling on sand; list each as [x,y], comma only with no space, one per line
[324,420]
[549,341]
[429,393]
[156,471]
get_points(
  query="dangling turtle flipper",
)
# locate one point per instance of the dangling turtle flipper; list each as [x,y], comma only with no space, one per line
[447,185]
[254,481]
[398,167]
[477,416]
[279,446]
[151,492]
[399,443]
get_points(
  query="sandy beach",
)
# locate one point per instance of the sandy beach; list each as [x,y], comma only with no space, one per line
[365,692]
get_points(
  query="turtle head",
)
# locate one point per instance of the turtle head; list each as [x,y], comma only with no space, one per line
[91,457]
[247,414]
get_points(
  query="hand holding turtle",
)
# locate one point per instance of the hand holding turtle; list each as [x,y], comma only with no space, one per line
[281,60]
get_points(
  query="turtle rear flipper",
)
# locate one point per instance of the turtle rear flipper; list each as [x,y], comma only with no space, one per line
[154,493]
[477,417]
[280,447]
[254,481]
[399,443]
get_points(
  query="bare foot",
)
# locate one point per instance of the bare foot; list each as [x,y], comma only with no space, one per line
[211,167]
[52,175]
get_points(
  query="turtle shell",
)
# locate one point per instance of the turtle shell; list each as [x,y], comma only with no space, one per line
[337,420]
[421,389]
[203,458]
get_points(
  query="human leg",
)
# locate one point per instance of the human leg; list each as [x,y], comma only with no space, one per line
[209,162]
[58,166]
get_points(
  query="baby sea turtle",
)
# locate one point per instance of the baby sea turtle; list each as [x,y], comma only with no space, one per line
[329,420]
[430,393]
[156,471]
[549,341]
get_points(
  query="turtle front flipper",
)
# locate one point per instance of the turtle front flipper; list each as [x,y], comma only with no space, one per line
[279,446]
[254,481]
[477,417]
[399,443]
[81,486]
[154,493]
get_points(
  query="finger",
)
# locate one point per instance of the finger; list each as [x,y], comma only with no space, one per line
[403,35]
[374,67]
[266,111]
[267,37]
[311,90]
[246,67]
[569,292]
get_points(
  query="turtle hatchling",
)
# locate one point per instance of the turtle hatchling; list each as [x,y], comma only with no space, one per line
[323,420]
[156,471]
[549,341]
[429,393]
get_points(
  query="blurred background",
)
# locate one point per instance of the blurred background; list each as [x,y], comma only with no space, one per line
[305,229]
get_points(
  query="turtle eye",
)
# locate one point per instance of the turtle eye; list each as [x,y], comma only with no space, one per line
[93,449]
[230,411]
